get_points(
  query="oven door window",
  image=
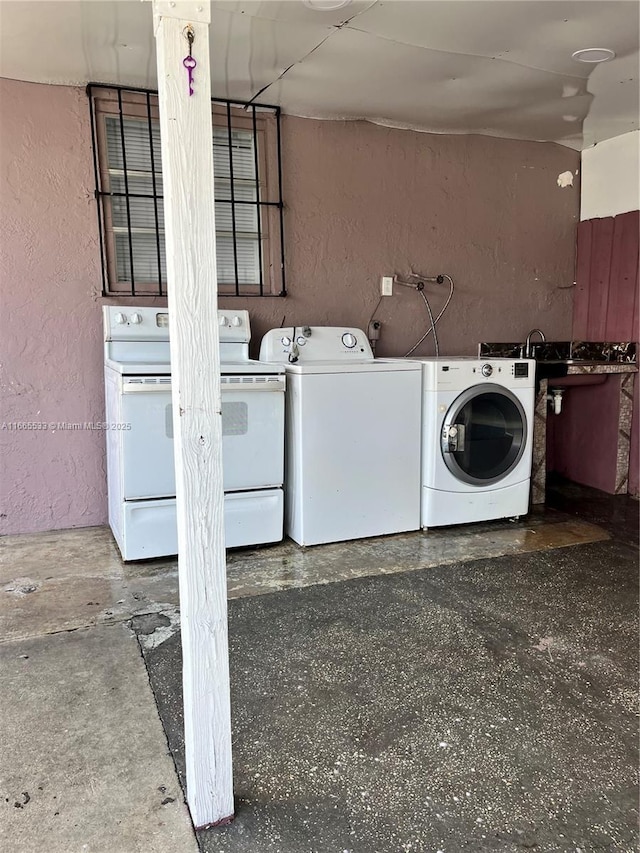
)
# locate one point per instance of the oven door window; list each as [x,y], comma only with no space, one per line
[484,435]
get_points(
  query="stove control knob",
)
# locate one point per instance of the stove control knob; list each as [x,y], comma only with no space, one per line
[487,370]
[349,340]
[237,321]
[136,319]
[222,320]
[286,342]
[120,319]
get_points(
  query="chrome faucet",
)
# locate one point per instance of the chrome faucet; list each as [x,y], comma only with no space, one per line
[527,346]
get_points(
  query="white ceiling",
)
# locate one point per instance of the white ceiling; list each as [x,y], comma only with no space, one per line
[496,67]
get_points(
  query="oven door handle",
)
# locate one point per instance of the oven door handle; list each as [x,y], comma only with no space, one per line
[276,384]
[146,388]
[225,387]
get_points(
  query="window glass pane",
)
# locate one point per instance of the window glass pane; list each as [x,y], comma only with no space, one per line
[242,191]
[141,210]
[145,258]
[137,146]
[244,166]
[248,260]
[246,218]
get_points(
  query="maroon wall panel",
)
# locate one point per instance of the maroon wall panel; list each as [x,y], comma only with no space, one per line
[583,278]
[601,251]
[622,307]
[605,308]
[606,298]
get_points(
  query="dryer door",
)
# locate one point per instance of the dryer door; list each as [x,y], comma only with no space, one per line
[483,435]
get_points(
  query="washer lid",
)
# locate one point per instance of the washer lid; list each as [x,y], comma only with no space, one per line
[377,365]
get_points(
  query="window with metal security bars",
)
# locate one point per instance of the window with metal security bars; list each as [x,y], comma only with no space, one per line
[129,192]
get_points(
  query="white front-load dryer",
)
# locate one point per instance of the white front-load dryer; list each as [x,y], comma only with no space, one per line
[477,439]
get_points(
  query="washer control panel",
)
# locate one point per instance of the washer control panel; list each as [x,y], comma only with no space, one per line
[315,343]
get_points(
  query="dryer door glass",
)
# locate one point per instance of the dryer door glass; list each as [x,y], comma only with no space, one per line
[484,435]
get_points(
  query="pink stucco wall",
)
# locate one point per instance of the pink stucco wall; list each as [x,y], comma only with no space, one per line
[365,201]
[49,318]
[361,201]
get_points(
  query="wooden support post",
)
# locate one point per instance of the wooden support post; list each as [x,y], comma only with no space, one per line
[187,173]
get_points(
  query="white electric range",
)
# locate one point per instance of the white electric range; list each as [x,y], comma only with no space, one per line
[140,463]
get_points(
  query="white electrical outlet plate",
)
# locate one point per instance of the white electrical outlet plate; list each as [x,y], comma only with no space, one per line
[386,285]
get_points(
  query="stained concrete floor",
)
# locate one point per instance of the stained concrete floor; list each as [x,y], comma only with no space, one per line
[368,679]
[84,762]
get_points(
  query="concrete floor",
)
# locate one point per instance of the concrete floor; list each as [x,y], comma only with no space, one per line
[369,679]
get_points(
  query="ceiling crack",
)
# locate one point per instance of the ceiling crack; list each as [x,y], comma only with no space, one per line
[474,55]
[335,28]
[297,62]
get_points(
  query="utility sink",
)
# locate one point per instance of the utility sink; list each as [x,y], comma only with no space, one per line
[583,352]
[564,352]
[555,358]
[556,372]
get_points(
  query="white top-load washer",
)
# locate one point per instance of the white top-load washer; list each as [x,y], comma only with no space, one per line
[477,439]
[352,435]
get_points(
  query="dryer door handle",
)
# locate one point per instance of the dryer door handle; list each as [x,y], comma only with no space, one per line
[454,435]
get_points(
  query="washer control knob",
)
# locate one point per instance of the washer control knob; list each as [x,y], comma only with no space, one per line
[237,321]
[487,370]
[286,342]
[222,320]
[301,341]
[349,340]
[136,319]
[120,319]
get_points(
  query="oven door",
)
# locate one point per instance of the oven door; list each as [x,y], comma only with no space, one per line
[252,431]
[252,435]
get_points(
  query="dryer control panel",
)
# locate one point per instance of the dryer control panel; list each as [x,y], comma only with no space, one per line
[460,373]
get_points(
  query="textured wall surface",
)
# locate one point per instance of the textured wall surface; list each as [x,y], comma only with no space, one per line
[361,201]
[364,201]
[50,328]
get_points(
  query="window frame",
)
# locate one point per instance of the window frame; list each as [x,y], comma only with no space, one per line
[263,121]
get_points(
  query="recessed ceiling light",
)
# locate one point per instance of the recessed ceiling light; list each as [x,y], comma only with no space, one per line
[326,5]
[593,54]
